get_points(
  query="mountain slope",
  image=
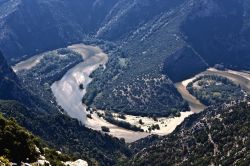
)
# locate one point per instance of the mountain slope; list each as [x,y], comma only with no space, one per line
[218,136]
[8,79]
[178,40]
[18,145]
[219,32]
[64,133]
[67,135]
[10,87]
[140,85]
[33,26]
[174,39]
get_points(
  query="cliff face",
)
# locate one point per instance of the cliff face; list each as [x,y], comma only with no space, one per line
[9,84]
[11,88]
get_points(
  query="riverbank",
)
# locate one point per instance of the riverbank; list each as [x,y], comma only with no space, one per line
[194,104]
[28,64]
[67,92]
[69,96]
[241,78]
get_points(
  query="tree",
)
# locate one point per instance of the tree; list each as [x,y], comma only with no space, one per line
[81,86]
[89,116]
[122,116]
[141,122]
[105,129]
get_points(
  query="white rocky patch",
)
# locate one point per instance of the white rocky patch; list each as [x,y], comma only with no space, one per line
[28,64]
[76,163]
[167,125]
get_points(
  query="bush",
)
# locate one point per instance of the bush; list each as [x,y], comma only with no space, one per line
[81,86]
[123,124]
[105,129]
[16,143]
[4,161]
[155,118]
[122,116]
[155,127]
[89,116]
[141,122]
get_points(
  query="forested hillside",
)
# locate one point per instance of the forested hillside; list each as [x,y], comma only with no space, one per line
[68,135]
[151,45]
[217,136]
[19,146]
[64,133]
[29,27]
[168,46]
[174,39]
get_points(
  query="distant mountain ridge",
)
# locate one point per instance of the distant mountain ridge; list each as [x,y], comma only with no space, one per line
[34,26]
[30,27]
[173,39]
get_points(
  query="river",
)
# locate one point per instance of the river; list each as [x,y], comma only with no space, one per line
[194,104]
[241,78]
[68,94]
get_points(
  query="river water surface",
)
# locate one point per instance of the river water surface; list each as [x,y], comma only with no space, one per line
[241,78]
[69,96]
[67,92]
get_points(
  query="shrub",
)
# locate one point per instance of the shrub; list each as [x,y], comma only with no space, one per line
[105,129]
[122,116]
[123,124]
[141,122]
[89,116]
[81,86]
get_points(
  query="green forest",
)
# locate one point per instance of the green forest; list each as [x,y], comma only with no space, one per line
[211,89]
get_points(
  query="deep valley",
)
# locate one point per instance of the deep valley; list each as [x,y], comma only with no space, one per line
[124,82]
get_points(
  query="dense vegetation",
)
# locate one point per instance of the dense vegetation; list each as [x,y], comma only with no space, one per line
[51,68]
[120,89]
[63,133]
[211,89]
[18,145]
[217,136]
[123,124]
[68,135]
